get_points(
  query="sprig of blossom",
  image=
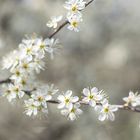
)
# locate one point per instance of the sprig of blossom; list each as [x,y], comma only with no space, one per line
[28,60]
[74,16]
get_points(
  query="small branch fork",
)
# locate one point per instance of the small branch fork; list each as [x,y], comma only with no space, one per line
[29,93]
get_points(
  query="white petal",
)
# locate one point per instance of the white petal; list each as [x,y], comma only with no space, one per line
[125,99]
[61,98]
[69,106]
[111,116]
[105,102]
[113,108]
[86,92]
[72,116]
[35,111]
[92,103]
[48,97]
[29,112]
[64,112]
[102,117]
[68,93]
[21,94]
[94,90]
[61,105]
[85,100]
[131,94]
[98,108]
[74,99]
[79,111]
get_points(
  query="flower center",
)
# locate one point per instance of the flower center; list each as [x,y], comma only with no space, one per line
[74,8]
[42,46]
[74,23]
[40,98]
[73,110]
[16,90]
[67,100]
[106,110]
[28,50]
[17,73]
[25,66]
[91,97]
[23,82]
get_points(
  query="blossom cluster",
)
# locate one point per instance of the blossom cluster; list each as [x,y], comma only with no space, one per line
[38,100]
[74,15]
[28,60]
[25,62]
[70,105]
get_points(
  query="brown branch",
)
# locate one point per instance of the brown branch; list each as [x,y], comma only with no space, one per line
[6,81]
[66,22]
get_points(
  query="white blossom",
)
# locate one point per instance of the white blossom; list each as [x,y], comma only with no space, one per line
[40,47]
[27,49]
[31,107]
[92,96]
[133,99]
[17,74]
[72,112]
[67,100]
[74,6]
[74,22]
[54,22]
[41,98]
[9,95]
[106,111]
[14,92]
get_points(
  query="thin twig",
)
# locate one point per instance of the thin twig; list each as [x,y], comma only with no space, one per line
[6,81]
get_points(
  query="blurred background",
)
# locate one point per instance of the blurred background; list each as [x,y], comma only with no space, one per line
[105,54]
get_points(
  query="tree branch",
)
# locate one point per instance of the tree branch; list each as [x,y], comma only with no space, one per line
[6,81]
